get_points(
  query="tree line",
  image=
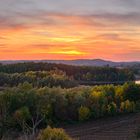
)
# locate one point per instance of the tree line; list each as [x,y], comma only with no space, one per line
[78,73]
[38,79]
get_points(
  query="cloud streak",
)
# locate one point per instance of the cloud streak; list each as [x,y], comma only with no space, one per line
[20,20]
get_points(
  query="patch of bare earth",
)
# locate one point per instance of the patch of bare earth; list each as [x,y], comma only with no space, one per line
[115,128]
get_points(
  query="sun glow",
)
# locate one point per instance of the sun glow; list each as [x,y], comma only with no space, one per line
[72,52]
[64,39]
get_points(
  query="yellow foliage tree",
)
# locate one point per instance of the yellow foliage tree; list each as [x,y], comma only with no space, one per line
[84,113]
[53,134]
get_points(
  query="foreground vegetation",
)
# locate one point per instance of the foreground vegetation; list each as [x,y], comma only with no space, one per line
[53,134]
[26,109]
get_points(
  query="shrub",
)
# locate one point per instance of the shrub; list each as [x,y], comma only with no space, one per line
[127,106]
[84,113]
[131,92]
[112,108]
[53,134]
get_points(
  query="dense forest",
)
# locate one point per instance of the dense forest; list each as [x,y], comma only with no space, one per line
[26,109]
[77,73]
[38,79]
[36,95]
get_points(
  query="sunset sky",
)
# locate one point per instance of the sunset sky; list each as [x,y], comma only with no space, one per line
[70,29]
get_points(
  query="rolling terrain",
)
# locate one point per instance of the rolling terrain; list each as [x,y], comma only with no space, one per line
[79,62]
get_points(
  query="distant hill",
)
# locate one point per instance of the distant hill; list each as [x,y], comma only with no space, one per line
[80,62]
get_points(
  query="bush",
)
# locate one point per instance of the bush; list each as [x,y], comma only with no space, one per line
[112,108]
[127,106]
[84,113]
[131,92]
[53,134]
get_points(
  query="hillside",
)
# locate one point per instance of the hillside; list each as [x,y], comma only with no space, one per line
[80,62]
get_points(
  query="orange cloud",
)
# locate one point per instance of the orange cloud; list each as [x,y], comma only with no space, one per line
[60,36]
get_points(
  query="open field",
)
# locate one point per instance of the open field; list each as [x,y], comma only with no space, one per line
[116,128]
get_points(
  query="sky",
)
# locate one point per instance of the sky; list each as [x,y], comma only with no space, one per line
[70,29]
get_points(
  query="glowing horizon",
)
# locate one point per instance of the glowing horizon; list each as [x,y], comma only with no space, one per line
[68,30]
